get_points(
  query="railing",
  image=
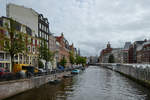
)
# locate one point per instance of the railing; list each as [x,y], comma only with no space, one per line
[8,76]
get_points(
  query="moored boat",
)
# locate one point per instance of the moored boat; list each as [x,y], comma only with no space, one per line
[75,71]
[67,76]
[54,81]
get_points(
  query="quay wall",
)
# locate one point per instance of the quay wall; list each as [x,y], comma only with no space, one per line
[11,88]
[137,72]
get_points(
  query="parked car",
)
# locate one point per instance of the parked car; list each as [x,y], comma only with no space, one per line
[6,75]
[26,68]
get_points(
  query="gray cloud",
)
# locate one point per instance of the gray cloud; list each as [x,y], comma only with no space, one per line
[90,24]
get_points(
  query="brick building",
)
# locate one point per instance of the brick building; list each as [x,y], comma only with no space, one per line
[132,58]
[64,49]
[125,52]
[105,53]
[143,53]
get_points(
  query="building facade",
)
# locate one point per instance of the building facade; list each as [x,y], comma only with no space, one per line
[43,29]
[125,52]
[105,53]
[64,49]
[133,51]
[24,15]
[118,55]
[143,53]
[32,43]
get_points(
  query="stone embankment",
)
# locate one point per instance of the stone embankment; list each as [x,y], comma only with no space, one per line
[137,72]
[11,88]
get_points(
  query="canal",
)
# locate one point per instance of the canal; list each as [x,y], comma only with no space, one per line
[95,83]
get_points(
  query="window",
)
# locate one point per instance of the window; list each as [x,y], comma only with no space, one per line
[33,49]
[47,37]
[44,36]
[7,56]
[20,57]
[23,29]
[34,41]
[39,33]
[6,33]
[1,65]
[37,42]
[43,27]
[29,31]
[16,57]
[29,48]
[1,56]
[7,65]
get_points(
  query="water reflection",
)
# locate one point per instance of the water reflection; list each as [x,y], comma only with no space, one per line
[93,84]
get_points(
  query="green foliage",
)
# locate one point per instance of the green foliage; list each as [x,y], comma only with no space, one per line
[71,57]
[16,43]
[45,53]
[2,39]
[111,59]
[40,64]
[63,62]
[80,60]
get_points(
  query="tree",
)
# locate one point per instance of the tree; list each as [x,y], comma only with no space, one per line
[15,43]
[71,57]
[40,64]
[2,39]
[111,59]
[63,62]
[83,61]
[80,60]
[77,60]
[45,53]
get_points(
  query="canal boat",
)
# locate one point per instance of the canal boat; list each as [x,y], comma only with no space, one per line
[75,71]
[54,81]
[67,76]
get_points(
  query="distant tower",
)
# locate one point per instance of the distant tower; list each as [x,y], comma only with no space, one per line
[62,34]
[108,45]
[79,52]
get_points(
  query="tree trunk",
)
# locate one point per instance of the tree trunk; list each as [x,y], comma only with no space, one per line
[12,62]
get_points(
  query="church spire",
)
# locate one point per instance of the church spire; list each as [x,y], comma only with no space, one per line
[108,45]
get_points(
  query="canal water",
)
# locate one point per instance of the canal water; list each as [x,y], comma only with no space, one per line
[95,83]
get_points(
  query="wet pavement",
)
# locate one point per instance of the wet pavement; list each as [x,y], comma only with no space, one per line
[95,83]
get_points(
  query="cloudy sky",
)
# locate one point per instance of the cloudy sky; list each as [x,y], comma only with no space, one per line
[90,24]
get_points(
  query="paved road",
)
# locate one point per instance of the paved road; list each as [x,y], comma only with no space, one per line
[95,83]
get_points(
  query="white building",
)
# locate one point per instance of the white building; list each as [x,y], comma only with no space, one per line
[118,55]
[26,16]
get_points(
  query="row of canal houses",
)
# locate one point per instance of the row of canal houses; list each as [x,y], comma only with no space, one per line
[137,52]
[34,26]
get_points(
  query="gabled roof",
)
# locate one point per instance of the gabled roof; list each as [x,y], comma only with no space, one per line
[139,42]
[140,47]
